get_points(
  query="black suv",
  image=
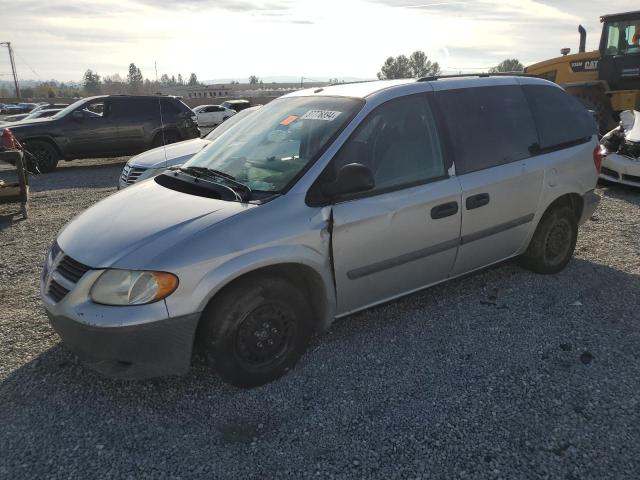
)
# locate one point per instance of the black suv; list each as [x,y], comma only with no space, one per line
[106,126]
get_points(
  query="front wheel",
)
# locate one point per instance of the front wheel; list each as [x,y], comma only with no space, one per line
[553,242]
[43,155]
[256,330]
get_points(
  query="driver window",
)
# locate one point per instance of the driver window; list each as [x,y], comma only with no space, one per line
[399,143]
[94,109]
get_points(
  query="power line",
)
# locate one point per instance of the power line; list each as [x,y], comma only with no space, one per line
[13,67]
[30,68]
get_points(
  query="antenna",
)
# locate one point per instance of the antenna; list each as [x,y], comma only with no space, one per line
[164,140]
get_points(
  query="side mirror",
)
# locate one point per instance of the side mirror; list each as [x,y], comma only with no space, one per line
[77,115]
[352,178]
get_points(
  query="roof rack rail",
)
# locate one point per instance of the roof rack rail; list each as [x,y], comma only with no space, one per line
[479,75]
[352,82]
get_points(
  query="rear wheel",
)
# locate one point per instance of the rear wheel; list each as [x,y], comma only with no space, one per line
[599,103]
[256,330]
[43,155]
[553,242]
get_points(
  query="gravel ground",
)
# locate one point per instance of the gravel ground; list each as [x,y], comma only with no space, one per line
[501,374]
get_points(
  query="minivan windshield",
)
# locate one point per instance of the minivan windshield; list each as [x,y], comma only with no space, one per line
[272,146]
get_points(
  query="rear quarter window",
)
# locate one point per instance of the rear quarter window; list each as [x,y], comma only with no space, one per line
[561,119]
[488,126]
[135,107]
[174,107]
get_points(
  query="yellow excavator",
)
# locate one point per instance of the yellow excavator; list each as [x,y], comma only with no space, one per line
[607,80]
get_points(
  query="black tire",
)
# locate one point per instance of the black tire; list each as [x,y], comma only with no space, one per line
[553,242]
[166,139]
[42,154]
[256,330]
[598,103]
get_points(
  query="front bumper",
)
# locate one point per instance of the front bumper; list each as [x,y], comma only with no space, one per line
[133,351]
[621,169]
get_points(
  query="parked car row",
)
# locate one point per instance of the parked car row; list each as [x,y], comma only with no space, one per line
[322,203]
[44,113]
[106,126]
[16,108]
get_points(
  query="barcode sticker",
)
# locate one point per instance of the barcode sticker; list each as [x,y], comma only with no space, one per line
[325,115]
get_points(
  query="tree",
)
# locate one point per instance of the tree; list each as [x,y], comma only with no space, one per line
[135,79]
[416,66]
[164,79]
[421,66]
[92,83]
[180,80]
[508,65]
[253,80]
[193,80]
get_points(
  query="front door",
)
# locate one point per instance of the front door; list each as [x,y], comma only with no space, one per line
[92,131]
[404,234]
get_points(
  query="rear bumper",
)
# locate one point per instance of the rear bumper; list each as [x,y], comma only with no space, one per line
[590,202]
[621,169]
[131,352]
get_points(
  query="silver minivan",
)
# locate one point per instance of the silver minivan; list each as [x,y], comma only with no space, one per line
[322,203]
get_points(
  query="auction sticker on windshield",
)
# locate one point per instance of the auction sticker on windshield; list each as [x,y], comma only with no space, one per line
[326,115]
[288,120]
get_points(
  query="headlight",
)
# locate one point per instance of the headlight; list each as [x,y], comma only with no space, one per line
[132,287]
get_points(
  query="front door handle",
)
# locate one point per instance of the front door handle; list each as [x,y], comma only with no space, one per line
[444,210]
[477,201]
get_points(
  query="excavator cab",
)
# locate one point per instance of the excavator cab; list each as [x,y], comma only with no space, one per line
[619,63]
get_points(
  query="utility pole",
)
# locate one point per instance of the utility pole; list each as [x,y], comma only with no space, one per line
[13,67]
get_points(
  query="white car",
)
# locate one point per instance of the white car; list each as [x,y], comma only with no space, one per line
[152,162]
[210,115]
[622,162]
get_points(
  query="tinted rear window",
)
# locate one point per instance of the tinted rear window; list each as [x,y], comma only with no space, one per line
[561,119]
[488,126]
[173,106]
[135,107]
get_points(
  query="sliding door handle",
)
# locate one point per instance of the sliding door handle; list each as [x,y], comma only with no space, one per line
[444,210]
[477,201]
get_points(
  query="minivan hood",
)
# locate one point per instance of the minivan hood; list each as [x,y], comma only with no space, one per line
[175,153]
[145,215]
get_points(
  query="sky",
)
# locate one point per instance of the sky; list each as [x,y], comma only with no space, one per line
[232,39]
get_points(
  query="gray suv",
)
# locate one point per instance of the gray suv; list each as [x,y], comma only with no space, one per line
[322,203]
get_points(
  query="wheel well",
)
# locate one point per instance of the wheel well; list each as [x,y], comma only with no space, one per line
[43,139]
[298,275]
[571,200]
[165,131]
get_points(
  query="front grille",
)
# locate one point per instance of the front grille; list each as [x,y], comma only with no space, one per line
[65,274]
[56,291]
[71,269]
[631,178]
[608,172]
[131,174]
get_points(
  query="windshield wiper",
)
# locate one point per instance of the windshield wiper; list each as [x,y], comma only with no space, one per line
[205,172]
